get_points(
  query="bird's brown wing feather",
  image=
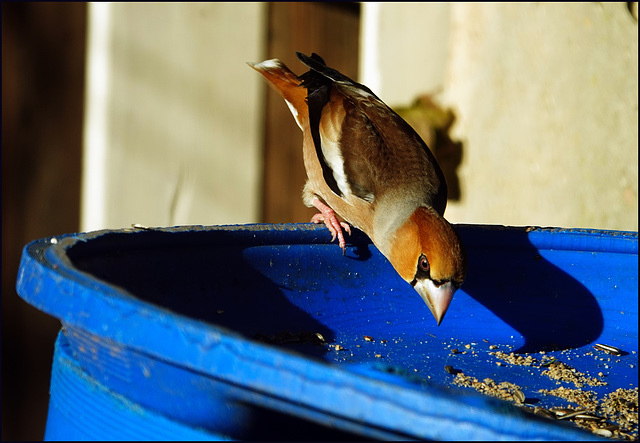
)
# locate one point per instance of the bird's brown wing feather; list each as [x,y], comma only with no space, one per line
[381,151]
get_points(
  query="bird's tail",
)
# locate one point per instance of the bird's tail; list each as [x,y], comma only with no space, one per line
[317,64]
[311,79]
[287,84]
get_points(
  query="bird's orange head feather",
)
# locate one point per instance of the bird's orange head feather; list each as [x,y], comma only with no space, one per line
[427,253]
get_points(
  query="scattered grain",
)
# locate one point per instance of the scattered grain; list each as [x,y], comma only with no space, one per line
[503,390]
[563,372]
[514,359]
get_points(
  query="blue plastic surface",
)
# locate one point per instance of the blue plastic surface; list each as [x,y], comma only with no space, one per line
[82,409]
[174,321]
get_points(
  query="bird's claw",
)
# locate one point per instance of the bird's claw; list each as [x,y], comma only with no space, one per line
[328,217]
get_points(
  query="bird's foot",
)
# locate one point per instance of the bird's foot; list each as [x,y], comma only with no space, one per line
[329,218]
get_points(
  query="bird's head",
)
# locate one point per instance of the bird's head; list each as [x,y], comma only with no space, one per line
[429,255]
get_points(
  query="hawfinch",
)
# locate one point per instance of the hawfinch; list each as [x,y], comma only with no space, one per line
[368,166]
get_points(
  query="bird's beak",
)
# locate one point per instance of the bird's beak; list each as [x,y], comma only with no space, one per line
[438,298]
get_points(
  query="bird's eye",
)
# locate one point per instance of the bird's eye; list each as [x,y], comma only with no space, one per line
[423,263]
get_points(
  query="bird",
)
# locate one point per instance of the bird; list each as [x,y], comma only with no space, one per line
[367,168]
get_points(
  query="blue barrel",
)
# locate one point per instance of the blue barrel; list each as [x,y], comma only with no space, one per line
[270,332]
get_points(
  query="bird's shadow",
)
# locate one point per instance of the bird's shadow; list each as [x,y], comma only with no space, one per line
[507,274]
[204,276]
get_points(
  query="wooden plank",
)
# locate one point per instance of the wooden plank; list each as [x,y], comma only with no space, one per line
[333,31]
[43,53]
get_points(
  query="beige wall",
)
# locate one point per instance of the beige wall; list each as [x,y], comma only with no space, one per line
[173,129]
[546,99]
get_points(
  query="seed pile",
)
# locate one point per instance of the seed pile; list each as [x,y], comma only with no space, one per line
[503,390]
[514,359]
[621,407]
[585,399]
[615,415]
[562,372]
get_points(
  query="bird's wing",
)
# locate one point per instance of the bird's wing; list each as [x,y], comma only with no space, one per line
[364,147]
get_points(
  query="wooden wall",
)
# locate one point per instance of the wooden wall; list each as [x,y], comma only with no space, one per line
[42,103]
[333,31]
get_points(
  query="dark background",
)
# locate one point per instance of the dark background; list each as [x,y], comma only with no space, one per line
[43,54]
